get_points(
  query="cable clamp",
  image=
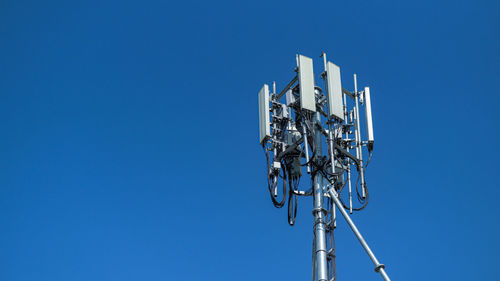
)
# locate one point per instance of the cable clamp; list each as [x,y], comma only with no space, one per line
[317,210]
[377,269]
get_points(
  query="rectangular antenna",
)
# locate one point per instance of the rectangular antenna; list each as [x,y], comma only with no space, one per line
[264,123]
[334,88]
[368,115]
[290,99]
[306,82]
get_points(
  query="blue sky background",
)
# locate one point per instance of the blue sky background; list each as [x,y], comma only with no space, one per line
[129,139]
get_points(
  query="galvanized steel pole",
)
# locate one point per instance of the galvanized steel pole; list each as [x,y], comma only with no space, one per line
[319,215]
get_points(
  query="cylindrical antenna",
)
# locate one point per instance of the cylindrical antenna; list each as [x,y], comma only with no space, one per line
[324,61]
[359,152]
[334,216]
[368,116]
[304,135]
[356,114]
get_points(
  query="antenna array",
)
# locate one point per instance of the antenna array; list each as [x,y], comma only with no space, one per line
[292,133]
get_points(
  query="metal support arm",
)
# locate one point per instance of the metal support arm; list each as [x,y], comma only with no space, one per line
[380,268]
[287,87]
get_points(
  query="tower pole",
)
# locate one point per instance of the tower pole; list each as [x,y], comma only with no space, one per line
[319,213]
[319,231]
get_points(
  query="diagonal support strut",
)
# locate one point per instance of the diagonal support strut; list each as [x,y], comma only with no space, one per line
[379,268]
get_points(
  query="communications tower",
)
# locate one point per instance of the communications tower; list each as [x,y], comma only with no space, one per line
[307,130]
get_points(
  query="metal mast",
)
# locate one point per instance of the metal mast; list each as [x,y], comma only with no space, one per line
[292,133]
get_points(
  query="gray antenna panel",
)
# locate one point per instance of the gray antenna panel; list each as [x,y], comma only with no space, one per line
[264,124]
[334,87]
[290,99]
[306,82]
[368,115]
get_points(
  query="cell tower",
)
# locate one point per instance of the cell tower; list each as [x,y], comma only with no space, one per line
[292,132]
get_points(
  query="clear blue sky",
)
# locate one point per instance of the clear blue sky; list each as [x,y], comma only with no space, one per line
[129,139]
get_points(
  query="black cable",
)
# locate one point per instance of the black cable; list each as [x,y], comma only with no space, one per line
[292,207]
[276,203]
[357,192]
[369,158]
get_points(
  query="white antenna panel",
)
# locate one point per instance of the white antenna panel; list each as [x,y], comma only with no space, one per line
[306,82]
[368,115]
[264,124]
[334,88]
[290,99]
